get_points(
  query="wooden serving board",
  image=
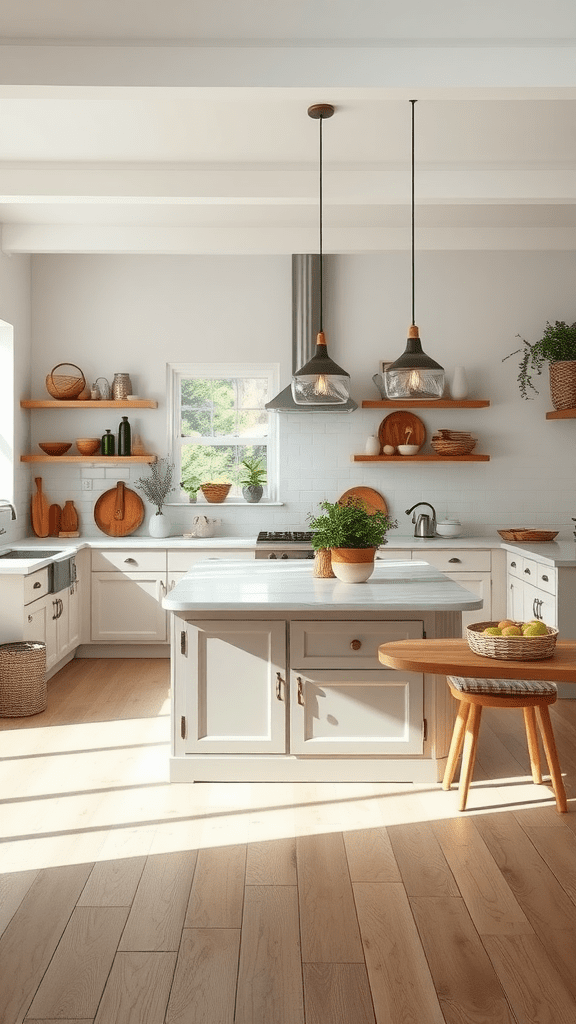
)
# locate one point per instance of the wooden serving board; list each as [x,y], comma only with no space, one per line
[372,499]
[40,510]
[54,517]
[119,511]
[69,518]
[393,429]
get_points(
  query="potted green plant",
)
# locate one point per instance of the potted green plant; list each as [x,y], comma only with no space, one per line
[191,484]
[252,477]
[352,533]
[557,346]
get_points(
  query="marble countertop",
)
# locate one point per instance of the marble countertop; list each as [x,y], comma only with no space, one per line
[265,586]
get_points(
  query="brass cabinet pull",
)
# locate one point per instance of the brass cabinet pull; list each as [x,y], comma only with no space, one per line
[279,684]
[355,645]
[300,691]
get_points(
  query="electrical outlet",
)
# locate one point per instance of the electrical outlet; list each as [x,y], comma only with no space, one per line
[87,484]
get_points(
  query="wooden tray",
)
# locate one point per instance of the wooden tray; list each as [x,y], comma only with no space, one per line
[392,430]
[373,500]
[536,536]
[119,511]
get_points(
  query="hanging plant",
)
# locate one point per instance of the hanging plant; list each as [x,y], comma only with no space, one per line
[558,342]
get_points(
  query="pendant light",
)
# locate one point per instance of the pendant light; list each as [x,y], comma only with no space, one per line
[414,374]
[321,382]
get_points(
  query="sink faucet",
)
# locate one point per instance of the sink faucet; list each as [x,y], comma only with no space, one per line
[4,506]
[425,524]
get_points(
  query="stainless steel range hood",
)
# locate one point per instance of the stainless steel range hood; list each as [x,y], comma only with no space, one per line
[305,326]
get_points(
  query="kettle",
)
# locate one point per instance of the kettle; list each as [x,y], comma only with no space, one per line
[204,527]
[425,524]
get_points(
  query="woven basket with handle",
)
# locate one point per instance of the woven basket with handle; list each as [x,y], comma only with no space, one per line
[65,385]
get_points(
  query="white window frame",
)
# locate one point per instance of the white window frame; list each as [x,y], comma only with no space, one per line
[175,371]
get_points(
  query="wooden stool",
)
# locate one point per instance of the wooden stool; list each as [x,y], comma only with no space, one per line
[528,694]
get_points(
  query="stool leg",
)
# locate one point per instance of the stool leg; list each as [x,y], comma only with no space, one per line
[456,744]
[552,758]
[469,755]
[532,739]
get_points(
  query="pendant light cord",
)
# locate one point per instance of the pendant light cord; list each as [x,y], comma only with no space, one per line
[413,290]
[321,259]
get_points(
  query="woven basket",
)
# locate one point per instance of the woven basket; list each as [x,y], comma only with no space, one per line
[563,383]
[534,535]
[22,679]
[510,648]
[453,447]
[65,386]
[215,492]
[323,564]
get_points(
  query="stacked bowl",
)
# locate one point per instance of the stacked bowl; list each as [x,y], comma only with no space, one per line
[453,442]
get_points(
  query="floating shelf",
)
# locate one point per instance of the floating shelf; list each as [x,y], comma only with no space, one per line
[561,414]
[421,458]
[108,460]
[139,403]
[425,403]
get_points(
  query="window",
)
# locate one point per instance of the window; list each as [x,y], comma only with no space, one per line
[218,419]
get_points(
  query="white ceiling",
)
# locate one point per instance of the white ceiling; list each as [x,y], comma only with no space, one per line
[182,126]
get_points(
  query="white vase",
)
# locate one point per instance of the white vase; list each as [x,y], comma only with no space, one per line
[372,446]
[459,385]
[159,525]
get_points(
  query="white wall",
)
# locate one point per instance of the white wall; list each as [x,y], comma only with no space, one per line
[15,312]
[134,314]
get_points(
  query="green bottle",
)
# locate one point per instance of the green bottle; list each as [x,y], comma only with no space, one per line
[108,444]
[124,437]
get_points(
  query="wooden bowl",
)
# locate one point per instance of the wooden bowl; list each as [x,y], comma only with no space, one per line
[88,445]
[215,493]
[55,447]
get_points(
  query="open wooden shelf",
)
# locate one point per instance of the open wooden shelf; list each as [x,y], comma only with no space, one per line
[426,403]
[108,460]
[421,458]
[54,403]
[561,414]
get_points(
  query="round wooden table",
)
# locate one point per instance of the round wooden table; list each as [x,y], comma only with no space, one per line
[454,658]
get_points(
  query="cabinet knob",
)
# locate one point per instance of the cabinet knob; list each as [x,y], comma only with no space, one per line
[527,571]
[355,645]
[130,561]
[454,559]
[37,585]
[29,618]
[545,578]
[513,564]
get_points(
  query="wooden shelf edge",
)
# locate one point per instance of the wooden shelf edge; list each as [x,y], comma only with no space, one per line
[423,403]
[140,403]
[104,459]
[421,458]
[561,414]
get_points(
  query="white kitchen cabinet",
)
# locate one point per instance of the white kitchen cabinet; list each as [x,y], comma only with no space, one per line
[470,568]
[40,624]
[237,698]
[181,560]
[127,609]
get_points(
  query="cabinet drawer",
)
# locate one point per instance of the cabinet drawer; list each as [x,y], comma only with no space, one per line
[546,578]
[455,560]
[181,561]
[36,585]
[530,571]
[343,645]
[514,564]
[128,560]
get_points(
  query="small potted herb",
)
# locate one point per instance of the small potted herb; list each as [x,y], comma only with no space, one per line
[191,484]
[352,534]
[252,477]
[557,346]
[156,488]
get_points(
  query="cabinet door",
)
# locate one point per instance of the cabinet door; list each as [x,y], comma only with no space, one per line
[356,712]
[515,599]
[126,607]
[539,605]
[74,616]
[478,583]
[40,624]
[235,678]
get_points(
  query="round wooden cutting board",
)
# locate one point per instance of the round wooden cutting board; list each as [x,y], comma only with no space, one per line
[393,429]
[119,511]
[372,499]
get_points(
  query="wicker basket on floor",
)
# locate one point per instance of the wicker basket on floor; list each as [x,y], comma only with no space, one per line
[22,678]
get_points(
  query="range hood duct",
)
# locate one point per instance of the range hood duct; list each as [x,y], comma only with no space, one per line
[305,327]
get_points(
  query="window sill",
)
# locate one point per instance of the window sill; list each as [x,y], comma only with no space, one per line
[222,504]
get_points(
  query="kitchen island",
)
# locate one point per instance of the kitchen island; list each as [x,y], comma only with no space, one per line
[275,673]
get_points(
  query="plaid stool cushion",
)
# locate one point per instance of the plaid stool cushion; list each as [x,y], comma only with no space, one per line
[503,687]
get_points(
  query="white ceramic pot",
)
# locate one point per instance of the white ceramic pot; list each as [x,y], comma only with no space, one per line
[159,525]
[449,528]
[353,565]
[459,385]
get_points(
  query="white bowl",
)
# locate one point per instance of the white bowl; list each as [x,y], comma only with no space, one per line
[449,529]
[408,449]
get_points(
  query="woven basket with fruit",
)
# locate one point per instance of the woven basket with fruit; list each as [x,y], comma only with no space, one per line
[508,640]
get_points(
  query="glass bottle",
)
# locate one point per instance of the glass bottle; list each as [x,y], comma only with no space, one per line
[124,437]
[108,444]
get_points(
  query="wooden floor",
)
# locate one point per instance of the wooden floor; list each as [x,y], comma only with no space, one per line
[126,900]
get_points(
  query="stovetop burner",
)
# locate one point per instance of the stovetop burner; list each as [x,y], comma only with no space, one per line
[287,536]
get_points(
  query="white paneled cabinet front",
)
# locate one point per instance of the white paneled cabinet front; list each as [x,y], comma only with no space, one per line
[236,690]
[126,607]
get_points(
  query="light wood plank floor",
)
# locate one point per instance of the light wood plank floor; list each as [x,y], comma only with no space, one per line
[127,900]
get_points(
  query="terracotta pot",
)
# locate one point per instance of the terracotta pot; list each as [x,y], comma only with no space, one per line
[353,565]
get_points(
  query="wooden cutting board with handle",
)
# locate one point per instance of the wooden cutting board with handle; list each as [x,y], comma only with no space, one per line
[40,510]
[119,511]
[54,517]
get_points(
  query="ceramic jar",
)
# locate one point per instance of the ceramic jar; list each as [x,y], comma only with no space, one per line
[121,387]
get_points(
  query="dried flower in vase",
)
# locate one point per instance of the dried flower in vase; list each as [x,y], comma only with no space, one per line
[158,485]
